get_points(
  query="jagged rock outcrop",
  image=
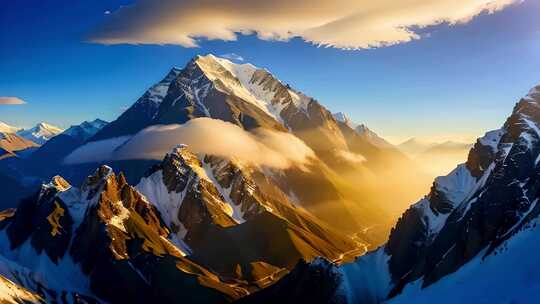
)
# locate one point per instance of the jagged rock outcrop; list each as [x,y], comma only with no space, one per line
[112,238]
[194,230]
[228,218]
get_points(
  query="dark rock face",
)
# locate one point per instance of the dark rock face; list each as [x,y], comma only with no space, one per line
[45,220]
[439,202]
[316,282]
[121,243]
[236,246]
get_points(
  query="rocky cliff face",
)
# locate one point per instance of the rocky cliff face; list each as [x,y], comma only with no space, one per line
[199,230]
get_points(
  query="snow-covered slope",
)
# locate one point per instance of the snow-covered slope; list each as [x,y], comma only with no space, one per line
[470,213]
[40,133]
[510,275]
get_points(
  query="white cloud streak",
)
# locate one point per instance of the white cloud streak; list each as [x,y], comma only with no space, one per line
[351,157]
[11,101]
[347,24]
[204,136]
[232,56]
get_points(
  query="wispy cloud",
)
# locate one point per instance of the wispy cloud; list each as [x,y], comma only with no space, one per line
[7,100]
[232,56]
[260,147]
[347,24]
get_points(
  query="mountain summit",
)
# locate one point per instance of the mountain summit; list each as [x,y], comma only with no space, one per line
[5,128]
[40,133]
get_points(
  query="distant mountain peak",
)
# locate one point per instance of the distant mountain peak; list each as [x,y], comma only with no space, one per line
[40,133]
[5,128]
[86,129]
[363,131]
[344,118]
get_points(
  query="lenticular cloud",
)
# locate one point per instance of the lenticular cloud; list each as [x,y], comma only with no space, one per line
[347,24]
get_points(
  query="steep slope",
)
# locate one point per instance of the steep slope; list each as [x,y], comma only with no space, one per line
[365,132]
[141,113]
[477,207]
[476,223]
[40,133]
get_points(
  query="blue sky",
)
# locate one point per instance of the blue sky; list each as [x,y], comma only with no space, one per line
[457,81]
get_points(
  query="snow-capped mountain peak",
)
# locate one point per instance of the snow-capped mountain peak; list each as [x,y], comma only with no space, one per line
[344,118]
[40,133]
[86,129]
[255,85]
[5,128]
[158,91]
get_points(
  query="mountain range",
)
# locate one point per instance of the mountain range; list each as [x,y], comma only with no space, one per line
[222,183]
[253,99]
[364,131]
[436,158]
[27,164]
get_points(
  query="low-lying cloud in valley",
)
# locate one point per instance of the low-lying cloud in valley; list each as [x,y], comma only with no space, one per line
[348,24]
[205,136]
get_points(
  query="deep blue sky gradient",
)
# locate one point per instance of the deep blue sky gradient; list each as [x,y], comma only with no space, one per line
[461,79]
